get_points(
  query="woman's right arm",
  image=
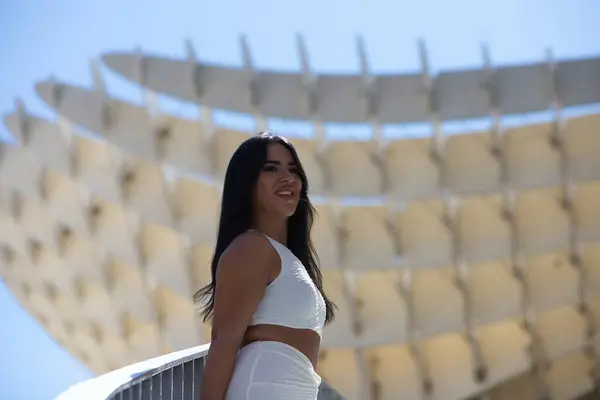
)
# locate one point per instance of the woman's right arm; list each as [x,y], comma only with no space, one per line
[242,276]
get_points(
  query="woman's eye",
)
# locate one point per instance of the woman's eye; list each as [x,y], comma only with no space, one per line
[269,168]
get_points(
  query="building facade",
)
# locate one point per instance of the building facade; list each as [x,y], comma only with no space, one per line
[463,265]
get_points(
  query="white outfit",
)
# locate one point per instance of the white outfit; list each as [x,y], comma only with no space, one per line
[274,370]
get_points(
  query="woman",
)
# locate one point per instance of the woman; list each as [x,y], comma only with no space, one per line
[266,298]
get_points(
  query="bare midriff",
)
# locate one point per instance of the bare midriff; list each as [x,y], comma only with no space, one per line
[306,341]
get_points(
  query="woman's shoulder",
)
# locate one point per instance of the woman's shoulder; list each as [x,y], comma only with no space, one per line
[250,240]
[251,247]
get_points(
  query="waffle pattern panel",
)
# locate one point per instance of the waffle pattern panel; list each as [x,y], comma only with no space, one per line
[387,98]
[470,269]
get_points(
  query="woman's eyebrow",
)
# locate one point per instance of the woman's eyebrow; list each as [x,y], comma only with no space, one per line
[279,162]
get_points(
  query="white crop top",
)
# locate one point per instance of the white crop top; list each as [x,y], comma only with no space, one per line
[291,299]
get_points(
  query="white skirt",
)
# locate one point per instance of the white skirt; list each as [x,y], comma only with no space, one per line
[272,371]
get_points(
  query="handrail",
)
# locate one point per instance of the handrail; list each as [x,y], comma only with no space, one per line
[106,385]
[170,362]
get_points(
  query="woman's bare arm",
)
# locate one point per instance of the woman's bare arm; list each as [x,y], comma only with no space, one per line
[242,276]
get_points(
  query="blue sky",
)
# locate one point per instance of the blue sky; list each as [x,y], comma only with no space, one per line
[40,38]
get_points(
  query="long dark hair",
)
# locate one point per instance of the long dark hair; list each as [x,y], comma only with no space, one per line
[236,216]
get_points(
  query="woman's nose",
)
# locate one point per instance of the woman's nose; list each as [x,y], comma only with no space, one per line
[288,177]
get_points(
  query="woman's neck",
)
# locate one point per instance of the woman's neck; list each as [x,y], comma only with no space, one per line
[275,229]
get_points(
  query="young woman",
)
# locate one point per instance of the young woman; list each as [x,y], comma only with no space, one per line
[266,298]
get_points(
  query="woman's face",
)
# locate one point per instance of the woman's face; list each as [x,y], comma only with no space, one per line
[277,189]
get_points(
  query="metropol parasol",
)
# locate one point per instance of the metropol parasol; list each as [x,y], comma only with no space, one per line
[462,264]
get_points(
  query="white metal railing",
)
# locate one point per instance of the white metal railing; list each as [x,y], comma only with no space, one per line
[175,376]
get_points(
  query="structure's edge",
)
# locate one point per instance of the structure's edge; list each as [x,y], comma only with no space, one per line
[366,97]
[113,120]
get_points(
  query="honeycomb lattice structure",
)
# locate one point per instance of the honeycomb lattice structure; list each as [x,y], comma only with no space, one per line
[462,265]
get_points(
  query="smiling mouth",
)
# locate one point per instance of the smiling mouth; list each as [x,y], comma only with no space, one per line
[286,194]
